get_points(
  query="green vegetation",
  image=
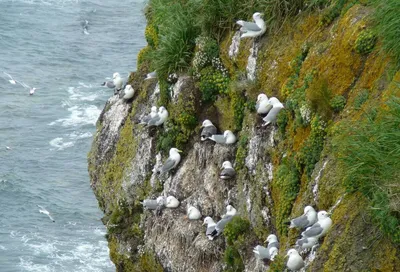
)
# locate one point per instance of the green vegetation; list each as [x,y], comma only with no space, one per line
[332,12]
[338,103]
[365,42]
[241,152]
[361,98]
[370,152]
[212,83]
[387,25]
[236,228]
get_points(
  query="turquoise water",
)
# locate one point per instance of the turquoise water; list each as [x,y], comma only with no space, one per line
[44,138]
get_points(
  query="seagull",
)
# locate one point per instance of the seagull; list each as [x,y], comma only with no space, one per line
[159,118]
[210,226]
[153,204]
[227,138]
[268,252]
[320,228]
[127,93]
[11,80]
[272,114]
[151,75]
[307,219]
[152,114]
[250,29]
[46,212]
[193,213]
[117,80]
[108,84]
[26,86]
[172,202]
[228,172]
[32,91]
[219,227]
[295,262]
[307,242]
[263,106]
[172,161]
[208,130]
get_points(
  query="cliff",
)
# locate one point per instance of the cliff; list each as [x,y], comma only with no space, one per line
[335,146]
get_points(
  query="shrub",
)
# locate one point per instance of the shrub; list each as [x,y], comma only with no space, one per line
[332,13]
[233,260]
[212,82]
[151,35]
[369,150]
[365,42]
[238,226]
[337,103]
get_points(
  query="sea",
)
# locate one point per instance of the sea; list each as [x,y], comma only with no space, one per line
[65,49]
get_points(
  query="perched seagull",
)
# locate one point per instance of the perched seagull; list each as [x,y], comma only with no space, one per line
[320,228]
[151,75]
[193,213]
[307,242]
[108,84]
[227,138]
[172,161]
[172,202]
[295,261]
[272,114]
[263,106]
[219,227]
[117,80]
[210,226]
[153,204]
[227,171]
[46,212]
[269,252]
[152,114]
[252,30]
[208,130]
[307,219]
[159,118]
[127,93]
[11,80]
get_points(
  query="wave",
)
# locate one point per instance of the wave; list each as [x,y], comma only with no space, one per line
[59,144]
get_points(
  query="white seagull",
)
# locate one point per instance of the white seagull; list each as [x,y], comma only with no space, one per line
[273,113]
[46,212]
[295,261]
[320,228]
[227,138]
[172,161]
[263,106]
[252,30]
[307,219]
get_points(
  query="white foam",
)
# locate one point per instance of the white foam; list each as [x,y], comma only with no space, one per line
[80,135]
[79,115]
[59,144]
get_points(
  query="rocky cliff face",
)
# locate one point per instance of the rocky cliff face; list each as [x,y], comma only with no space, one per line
[280,168]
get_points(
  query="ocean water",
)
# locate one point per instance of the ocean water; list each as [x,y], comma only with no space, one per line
[45,138]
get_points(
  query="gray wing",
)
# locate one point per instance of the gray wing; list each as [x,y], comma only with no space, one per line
[109,84]
[154,120]
[249,26]
[210,230]
[150,204]
[146,119]
[263,253]
[218,138]
[274,244]
[228,172]
[315,230]
[221,223]
[168,165]
[271,116]
[208,131]
[257,105]
[300,222]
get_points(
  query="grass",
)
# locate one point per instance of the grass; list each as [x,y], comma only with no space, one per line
[370,153]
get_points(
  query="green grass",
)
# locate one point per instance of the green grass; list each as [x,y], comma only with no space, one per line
[370,153]
[387,20]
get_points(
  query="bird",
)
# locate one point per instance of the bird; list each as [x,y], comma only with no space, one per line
[210,226]
[227,138]
[250,29]
[272,114]
[308,218]
[172,202]
[307,242]
[320,228]
[219,227]
[172,161]
[32,91]
[295,261]
[152,114]
[151,75]
[227,170]
[117,80]
[193,213]
[127,93]
[26,86]
[108,84]
[159,118]
[153,204]
[263,106]
[46,212]
[208,130]
[268,252]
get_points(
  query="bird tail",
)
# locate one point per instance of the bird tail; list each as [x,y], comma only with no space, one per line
[103,84]
[240,22]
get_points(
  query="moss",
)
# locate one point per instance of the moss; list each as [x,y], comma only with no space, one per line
[237,227]
[332,13]
[338,103]
[233,260]
[151,35]
[143,55]
[241,152]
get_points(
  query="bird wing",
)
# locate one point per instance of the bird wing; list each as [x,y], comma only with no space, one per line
[210,230]
[300,222]
[261,252]
[315,230]
[273,244]
[271,116]
[248,26]
[229,172]
[221,223]
[110,84]
[153,121]
[218,138]
[208,131]
[150,204]
[168,165]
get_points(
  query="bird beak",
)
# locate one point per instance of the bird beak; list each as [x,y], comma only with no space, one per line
[203,223]
[180,151]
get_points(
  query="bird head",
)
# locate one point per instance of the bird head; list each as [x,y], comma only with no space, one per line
[227,133]
[261,97]
[271,238]
[154,109]
[207,220]
[322,215]
[206,123]
[116,75]
[174,150]
[291,251]
[308,209]
[226,164]
[257,15]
